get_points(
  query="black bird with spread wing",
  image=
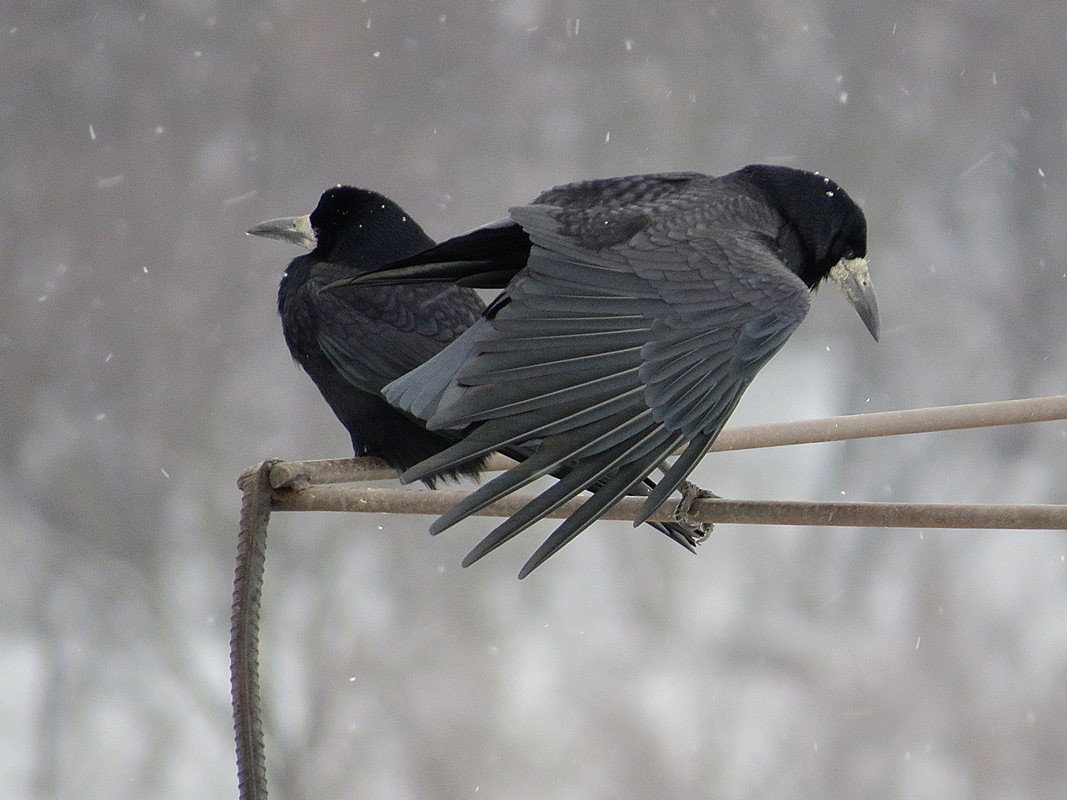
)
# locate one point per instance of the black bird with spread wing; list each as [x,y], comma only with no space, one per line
[635,313]
[355,342]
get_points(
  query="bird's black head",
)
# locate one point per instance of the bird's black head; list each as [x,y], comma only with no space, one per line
[825,235]
[363,228]
[358,228]
[828,223]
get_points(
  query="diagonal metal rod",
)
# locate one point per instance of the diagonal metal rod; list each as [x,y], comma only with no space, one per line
[895,423]
[830,429]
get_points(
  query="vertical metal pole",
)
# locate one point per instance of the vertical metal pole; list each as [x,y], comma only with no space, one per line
[244,631]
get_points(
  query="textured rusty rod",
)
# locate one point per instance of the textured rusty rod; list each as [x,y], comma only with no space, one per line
[756,512]
[855,426]
[335,470]
[244,632]
[297,474]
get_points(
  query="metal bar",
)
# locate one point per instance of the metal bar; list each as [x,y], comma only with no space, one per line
[895,423]
[749,512]
[298,474]
[244,631]
[337,470]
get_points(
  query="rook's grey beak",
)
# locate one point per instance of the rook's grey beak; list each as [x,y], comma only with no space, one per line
[296,230]
[854,279]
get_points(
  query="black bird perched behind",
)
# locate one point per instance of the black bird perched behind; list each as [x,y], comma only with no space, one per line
[636,312]
[355,342]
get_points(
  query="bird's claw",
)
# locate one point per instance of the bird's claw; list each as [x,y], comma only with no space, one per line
[690,494]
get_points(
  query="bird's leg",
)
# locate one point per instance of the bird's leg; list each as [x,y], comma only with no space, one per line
[690,494]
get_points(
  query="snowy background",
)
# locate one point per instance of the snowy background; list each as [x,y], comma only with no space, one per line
[142,368]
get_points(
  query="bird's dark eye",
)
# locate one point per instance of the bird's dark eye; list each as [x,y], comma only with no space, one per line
[850,253]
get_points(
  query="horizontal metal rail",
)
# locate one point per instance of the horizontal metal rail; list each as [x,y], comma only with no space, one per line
[746,512]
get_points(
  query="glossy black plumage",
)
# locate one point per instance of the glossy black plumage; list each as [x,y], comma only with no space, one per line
[638,311]
[353,342]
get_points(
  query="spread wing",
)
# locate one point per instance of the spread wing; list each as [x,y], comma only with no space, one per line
[627,335]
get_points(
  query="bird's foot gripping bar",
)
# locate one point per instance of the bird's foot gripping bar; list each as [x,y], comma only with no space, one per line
[690,494]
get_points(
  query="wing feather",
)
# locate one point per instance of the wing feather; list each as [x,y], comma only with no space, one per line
[591,510]
[627,333]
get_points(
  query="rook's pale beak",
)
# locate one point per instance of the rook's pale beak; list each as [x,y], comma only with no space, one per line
[296,230]
[854,279]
